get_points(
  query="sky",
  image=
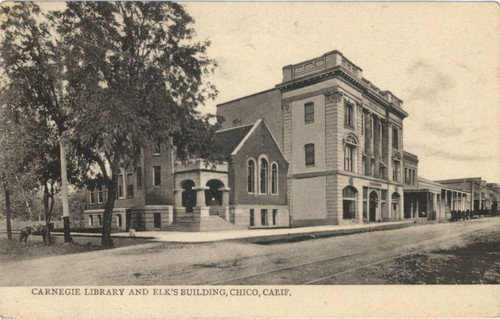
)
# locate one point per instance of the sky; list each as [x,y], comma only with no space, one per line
[441,59]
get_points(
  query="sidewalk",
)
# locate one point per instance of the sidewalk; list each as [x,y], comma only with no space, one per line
[266,235]
[250,235]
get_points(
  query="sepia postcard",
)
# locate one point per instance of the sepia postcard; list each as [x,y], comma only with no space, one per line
[249,159]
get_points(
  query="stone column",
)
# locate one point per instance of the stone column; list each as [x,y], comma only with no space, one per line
[359,207]
[454,198]
[178,197]
[225,202]
[434,205]
[401,205]
[200,196]
[201,208]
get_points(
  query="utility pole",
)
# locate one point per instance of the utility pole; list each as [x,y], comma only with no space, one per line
[64,192]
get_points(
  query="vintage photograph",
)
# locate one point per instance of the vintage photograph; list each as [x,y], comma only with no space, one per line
[244,149]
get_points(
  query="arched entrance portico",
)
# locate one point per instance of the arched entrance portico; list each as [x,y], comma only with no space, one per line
[373,199]
[213,196]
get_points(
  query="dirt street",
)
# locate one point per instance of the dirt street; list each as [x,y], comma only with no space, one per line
[365,258]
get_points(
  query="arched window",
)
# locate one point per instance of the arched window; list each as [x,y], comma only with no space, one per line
[274,178]
[349,202]
[264,176]
[251,176]
[395,205]
[395,196]
[350,154]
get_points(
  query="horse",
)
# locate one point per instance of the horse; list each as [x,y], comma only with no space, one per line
[35,230]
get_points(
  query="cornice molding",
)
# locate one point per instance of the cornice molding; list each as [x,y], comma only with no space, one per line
[334,96]
[337,71]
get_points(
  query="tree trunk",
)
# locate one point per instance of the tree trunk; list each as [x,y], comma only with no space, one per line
[46,197]
[7,211]
[108,212]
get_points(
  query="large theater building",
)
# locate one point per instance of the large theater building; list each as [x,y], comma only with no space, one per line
[342,136]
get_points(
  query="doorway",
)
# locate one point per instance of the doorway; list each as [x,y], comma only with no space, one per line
[157,220]
[373,206]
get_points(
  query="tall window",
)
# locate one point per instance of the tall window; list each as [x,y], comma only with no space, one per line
[252,222]
[92,197]
[156,176]
[156,149]
[130,185]
[309,112]
[395,170]
[264,176]
[349,202]
[91,220]
[121,190]
[274,179]
[263,217]
[348,114]
[372,167]
[350,154]
[309,150]
[395,138]
[275,215]
[100,195]
[372,127]
[362,123]
[100,219]
[251,176]
[139,176]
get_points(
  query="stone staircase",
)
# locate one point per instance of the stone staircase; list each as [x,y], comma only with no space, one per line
[195,223]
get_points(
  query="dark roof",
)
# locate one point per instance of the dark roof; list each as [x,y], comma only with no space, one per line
[227,140]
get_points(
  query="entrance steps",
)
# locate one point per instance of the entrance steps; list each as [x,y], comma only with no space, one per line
[197,223]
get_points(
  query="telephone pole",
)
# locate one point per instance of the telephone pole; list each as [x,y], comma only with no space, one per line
[64,192]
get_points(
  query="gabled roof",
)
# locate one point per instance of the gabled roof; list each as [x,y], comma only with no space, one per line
[228,139]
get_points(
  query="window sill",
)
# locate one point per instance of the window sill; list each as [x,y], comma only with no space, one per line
[349,126]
